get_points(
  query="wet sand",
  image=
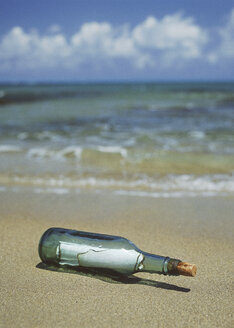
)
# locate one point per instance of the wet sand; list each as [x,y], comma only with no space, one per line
[197,230]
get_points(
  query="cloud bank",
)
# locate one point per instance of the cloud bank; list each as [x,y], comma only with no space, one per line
[174,39]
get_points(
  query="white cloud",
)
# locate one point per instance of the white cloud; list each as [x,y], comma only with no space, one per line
[224,48]
[54,28]
[172,33]
[227,34]
[152,42]
[22,50]
[15,43]
[100,41]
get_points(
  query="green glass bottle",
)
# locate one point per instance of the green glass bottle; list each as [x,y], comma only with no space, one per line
[64,247]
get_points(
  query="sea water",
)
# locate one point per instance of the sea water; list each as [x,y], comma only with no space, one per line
[141,139]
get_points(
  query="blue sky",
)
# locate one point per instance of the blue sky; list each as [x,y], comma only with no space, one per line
[58,40]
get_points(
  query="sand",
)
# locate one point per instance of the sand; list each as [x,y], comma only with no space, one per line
[198,230]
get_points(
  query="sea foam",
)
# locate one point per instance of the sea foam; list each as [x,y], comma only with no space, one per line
[170,186]
[10,149]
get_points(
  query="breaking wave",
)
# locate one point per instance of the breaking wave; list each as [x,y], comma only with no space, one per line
[170,186]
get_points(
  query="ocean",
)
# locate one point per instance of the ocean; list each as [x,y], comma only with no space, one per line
[141,139]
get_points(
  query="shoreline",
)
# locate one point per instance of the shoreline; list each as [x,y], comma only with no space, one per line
[198,230]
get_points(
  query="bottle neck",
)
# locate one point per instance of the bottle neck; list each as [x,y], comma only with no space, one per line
[158,264]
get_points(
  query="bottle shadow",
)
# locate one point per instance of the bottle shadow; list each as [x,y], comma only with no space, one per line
[112,277]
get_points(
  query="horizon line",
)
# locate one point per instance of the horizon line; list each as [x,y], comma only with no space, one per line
[120,81]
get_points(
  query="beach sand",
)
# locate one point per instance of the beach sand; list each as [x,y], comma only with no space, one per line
[197,230]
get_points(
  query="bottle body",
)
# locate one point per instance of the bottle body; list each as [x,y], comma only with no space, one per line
[66,247]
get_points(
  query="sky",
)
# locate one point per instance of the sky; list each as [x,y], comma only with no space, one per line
[116,40]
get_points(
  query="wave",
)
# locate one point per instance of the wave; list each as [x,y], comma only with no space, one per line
[114,150]
[10,149]
[124,161]
[75,152]
[170,186]
[67,152]
[171,194]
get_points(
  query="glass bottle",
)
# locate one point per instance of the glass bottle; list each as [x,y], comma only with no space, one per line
[64,247]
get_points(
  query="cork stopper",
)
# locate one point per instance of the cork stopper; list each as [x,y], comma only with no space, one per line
[186,269]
